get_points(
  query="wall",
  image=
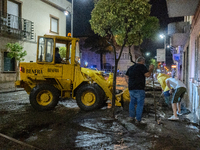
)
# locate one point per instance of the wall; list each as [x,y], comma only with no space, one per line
[193,89]
[41,23]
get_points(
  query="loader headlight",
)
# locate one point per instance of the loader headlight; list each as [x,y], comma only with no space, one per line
[22,69]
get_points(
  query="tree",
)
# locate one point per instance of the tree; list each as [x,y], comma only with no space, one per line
[119,21]
[98,45]
[154,62]
[16,51]
[62,52]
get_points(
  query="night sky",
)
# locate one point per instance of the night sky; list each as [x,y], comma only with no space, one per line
[82,15]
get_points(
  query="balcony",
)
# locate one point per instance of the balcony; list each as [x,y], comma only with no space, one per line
[179,33]
[15,27]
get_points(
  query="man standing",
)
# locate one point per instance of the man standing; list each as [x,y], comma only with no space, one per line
[135,76]
[180,90]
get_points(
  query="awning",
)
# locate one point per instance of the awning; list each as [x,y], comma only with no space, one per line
[180,8]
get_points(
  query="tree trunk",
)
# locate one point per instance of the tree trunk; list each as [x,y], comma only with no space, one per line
[114,79]
[139,41]
[17,71]
[131,57]
[114,88]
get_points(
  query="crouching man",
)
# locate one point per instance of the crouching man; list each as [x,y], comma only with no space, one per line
[179,91]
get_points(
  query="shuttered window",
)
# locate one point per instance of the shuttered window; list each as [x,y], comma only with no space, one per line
[9,63]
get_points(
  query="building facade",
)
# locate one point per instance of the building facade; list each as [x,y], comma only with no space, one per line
[185,44]
[22,21]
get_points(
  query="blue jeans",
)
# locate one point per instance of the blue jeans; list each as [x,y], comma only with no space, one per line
[167,97]
[137,98]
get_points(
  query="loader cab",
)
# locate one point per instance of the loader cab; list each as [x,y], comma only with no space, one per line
[68,49]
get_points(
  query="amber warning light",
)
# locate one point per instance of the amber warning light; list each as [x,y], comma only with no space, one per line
[173,66]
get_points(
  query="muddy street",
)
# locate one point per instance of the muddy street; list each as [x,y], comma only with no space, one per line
[67,127]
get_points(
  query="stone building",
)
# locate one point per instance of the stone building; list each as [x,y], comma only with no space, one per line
[22,21]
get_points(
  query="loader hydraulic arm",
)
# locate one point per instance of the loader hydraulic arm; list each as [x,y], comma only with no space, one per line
[106,85]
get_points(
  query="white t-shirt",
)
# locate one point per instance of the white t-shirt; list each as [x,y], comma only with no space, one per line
[175,83]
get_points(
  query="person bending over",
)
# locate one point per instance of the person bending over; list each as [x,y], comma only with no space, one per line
[179,91]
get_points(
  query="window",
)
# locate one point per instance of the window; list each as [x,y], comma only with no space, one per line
[54,24]
[125,56]
[45,48]
[9,64]
[13,14]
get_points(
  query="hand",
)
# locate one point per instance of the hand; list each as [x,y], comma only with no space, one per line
[151,67]
[170,91]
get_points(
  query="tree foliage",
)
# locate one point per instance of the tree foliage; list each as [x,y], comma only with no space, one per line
[62,52]
[154,62]
[150,27]
[122,19]
[16,51]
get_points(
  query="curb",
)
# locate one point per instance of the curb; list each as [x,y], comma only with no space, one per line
[10,91]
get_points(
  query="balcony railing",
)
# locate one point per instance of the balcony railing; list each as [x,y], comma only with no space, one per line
[16,27]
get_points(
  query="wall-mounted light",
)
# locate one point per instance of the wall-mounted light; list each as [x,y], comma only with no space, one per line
[66,13]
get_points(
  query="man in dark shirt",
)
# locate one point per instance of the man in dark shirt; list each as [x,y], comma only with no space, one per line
[135,76]
[58,59]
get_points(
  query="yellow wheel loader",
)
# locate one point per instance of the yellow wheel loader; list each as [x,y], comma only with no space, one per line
[46,81]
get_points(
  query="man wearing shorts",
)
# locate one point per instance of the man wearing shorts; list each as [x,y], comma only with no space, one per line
[179,91]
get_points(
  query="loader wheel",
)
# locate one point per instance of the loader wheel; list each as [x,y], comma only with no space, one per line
[102,95]
[88,97]
[44,97]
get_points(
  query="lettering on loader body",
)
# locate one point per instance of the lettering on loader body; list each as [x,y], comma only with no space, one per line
[34,71]
[52,70]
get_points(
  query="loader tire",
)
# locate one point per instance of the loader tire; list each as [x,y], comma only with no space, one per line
[102,95]
[44,97]
[89,97]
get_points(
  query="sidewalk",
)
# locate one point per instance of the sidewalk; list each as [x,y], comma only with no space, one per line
[7,87]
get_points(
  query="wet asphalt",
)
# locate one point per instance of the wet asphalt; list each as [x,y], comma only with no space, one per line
[67,127]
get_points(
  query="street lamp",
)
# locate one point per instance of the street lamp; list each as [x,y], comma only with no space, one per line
[148,53]
[162,36]
[72,16]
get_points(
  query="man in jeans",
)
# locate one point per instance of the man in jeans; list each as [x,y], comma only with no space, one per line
[135,76]
[180,90]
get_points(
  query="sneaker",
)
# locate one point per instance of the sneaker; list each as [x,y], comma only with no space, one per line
[173,118]
[179,113]
[131,119]
[137,122]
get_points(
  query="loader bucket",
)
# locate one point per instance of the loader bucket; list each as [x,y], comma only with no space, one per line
[123,98]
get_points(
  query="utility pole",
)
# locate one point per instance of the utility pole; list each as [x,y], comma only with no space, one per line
[72,16]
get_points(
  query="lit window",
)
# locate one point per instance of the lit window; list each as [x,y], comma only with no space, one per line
[54,24]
